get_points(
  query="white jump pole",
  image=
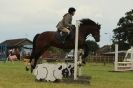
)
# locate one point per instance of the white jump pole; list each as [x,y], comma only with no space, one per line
[132,53]
[132,56]
[76,49]
[116,57]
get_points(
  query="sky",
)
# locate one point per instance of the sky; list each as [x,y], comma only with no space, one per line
[25,18]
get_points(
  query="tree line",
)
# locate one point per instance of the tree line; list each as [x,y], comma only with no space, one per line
[123,33]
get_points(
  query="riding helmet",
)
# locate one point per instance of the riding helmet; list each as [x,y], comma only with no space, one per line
[71,10]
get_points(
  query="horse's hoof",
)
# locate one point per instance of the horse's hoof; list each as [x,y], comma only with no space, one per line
[31,71]
[57,80]
[83,62]
[27,69]
[80,65]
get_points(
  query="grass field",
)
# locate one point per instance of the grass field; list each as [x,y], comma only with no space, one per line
[15,76]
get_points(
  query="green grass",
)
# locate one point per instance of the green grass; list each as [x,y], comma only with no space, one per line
[15,76]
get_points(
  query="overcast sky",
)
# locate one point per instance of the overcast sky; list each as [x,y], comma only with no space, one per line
[25,18]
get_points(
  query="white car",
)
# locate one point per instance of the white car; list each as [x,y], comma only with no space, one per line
[70,55]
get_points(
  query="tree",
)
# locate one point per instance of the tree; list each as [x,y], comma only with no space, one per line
[92,45]
[58,50]
[123,34]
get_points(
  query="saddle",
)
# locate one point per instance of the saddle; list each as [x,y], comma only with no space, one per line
[63,36]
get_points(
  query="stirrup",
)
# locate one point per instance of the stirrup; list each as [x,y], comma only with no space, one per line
[61,33]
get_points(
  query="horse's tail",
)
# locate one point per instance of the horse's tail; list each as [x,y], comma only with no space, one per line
[34,41]
[34,45]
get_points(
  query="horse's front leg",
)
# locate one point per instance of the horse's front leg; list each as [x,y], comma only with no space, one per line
[86,53]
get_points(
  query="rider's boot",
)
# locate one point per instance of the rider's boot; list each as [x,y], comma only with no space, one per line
[64,37]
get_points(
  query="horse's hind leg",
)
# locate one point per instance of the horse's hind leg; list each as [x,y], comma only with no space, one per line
[37,55]
[32,58]
[86,52]
[33,65]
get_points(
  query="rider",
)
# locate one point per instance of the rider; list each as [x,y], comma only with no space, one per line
[65,24]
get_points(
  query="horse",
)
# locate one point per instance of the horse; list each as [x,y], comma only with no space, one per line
[11,58]
[43,41]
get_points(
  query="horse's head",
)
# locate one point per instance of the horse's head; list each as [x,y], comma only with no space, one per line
[90,27]
[96,33]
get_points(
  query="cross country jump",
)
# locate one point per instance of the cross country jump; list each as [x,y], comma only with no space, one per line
[43,41]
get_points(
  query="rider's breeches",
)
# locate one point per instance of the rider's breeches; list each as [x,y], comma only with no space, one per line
[65,30]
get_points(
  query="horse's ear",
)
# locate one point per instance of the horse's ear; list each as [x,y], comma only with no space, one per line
[99,26]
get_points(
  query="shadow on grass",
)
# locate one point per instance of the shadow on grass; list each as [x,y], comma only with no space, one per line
[81,80]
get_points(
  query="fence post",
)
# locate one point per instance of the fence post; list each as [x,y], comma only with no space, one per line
[116,57]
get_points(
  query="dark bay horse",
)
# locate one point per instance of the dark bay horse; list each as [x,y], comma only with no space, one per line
[43,41]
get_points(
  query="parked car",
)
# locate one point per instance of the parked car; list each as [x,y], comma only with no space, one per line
[70,55]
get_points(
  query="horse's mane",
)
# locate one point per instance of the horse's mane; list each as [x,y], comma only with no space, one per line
[88,21]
